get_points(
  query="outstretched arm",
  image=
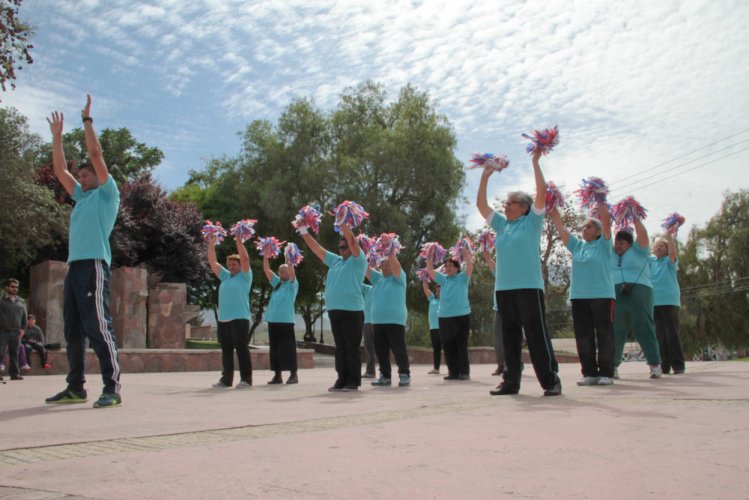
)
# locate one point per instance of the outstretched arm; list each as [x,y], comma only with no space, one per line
[292,272]
[430,269]
[212,261]
[312,244]
[563,233]
[540,201]
[244,258]
[59,165]
[395,265]
[425,287]
[605,217]
[92,143]
[481,202]
[353,243]
[641,233]
[672,254]
[266,268]
[468,257]
[489,261]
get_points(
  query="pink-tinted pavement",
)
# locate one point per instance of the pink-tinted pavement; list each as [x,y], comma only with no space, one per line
[680,436]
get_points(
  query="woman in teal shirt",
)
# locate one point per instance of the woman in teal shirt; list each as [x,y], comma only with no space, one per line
[667,301]
[280,318]
[434,325]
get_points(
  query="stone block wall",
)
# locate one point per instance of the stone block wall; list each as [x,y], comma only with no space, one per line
[45,300]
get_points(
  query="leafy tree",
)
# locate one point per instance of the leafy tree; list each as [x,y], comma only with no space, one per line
[15,47]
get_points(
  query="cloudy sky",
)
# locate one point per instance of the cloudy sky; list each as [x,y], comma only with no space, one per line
[651,96]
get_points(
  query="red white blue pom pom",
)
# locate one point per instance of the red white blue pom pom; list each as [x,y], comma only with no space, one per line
[593,191]
[554,197]
[349,213]
[542,140]
[269,247]
[374,259]
[496,162]
[433,252]
[672,223]
[463,247]
[292,254]
[366,243]
[423,275]
[243,230]
[309,217]
[486,241]
[213,229]
[626,211]
[388,245]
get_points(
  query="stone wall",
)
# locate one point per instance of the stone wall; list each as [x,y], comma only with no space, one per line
[45,299]
[166,316]
[128,301]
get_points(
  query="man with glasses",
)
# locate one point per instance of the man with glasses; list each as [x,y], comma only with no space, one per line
[13,322]
[344,303]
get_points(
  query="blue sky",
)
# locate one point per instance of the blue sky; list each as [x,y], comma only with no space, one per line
[632,85]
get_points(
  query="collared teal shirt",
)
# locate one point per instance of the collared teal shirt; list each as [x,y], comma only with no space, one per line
[366,291]
[518,245]
[343,285]
[92,220]
[434,311]
[234,295]
[282,298]
[666,291]
[453,294]
[388,298]
[632,267]
[591,268]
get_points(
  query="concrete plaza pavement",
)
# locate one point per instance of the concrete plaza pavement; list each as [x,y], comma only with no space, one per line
[681,436]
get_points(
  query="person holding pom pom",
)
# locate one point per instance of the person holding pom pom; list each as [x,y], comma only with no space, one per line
[592,295]
[667,300]
[233,313]
[455,313]
[280,318]
[434,325]
[518,284]
[389,316]
[634,296]
[344,303]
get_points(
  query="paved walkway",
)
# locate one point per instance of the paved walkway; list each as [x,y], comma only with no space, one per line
[681,436]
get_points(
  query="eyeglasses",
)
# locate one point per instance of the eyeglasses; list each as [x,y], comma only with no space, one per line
[343,247]
[510,202]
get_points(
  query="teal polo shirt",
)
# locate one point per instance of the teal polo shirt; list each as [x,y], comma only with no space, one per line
[234,295]
[388,299]
[518,245]
[92,220]
[632,267]
[591,271]
[343,285]
[453,294]
[666,291]
[434,310]
[366,292]
[282,298]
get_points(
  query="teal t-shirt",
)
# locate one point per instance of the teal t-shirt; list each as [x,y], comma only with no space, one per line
[282,298]
[434,310]
[453,294]
[366,292]
[343,285]
[632,267]
[591,272]
[234,295]
[92,220]
[388,299]
[518,245]
[666,291]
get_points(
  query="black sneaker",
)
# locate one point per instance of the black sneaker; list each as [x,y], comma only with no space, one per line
[292,379]
[108,400]
[337,387]
[555,390]
[504,390]
[350,388]
[275,380]
[68,396]
[464,376]
[450,377]
[16,377]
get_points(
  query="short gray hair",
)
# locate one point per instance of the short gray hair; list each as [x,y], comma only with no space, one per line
[522,197]
[597,223]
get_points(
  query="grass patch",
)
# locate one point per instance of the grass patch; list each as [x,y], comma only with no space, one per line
[202,344]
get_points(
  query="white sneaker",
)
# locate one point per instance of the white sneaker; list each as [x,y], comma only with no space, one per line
[655,371]
[2,368]
[616,373]
[26,368]
[605,381]
[433,371]
[588,381]
[243,385]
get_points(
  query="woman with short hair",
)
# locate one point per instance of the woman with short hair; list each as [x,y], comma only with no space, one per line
[280,318]
[667,301]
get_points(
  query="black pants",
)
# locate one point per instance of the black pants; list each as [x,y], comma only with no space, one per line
[593,323]
[454,335]
[667,331]
[233,336]
[347,333]
[10,339]
[87,317]
[369,348]
[387,338]
[39,348]
[436,347]
[282,347]
[524,310]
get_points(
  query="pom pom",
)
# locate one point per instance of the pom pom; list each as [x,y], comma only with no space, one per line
[626,211]
[463,247]
[309,217]
[388,244]
[350,213]
[496,162]
[672,223]
[433,252]
[423,275]
[243,230]
[486,241]
[542,140]
[269,247]
[554,197]
[593,191]
[216,229]
[367,243]
[374,259]
[292,254]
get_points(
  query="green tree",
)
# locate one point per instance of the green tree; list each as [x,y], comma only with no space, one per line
[15,46]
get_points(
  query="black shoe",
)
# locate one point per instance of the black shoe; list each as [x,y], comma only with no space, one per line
[337,387]
[276,380]
[450,377]
[555,390]
[504,390]
[678,372]
[350,388]
[16,377]
[464,376]
[368,375]
[292,379]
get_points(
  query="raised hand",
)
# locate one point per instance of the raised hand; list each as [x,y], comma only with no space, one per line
[86,112]
[56,124]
